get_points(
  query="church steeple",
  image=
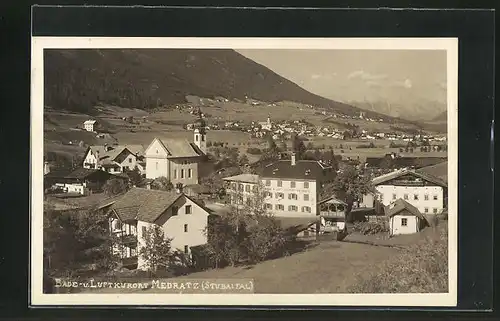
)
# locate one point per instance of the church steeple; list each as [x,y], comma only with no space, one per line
[200,135]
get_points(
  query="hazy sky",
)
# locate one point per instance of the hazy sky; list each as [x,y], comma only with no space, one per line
[400,76]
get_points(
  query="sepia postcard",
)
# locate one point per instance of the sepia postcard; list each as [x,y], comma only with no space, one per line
[244,171]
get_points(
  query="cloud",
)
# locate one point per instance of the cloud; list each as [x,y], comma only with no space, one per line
[366,76]
[317,76]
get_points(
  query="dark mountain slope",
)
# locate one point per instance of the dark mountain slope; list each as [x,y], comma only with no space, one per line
[78,79]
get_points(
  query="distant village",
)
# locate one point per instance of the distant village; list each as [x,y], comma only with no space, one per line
[172,184]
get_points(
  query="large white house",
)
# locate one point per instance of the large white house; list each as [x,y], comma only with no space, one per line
[90,125]
[425,192]
[115,158]
[292,186]
[178,160]
[182,219]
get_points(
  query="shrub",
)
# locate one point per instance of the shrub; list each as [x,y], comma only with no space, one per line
[371,227]
[420,268]
[254,151]
[114,186]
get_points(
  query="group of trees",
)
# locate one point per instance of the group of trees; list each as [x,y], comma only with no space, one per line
[247,233]
[76,242]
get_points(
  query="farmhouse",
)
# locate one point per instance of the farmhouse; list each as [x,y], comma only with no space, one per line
[90,125]
[426,192]
[177,160]
[181,218]
[405,218]
[81,181]
[114,159]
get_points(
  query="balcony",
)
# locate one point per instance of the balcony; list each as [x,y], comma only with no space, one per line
[129,261]
[332,214]
[129,239]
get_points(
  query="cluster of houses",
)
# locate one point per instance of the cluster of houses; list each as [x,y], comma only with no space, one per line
[292,189]
[175,159]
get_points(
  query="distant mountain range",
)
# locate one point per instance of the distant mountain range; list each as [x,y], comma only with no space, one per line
[78,79]
[422,111]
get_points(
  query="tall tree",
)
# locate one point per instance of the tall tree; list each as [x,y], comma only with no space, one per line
[156,249]
[298,146]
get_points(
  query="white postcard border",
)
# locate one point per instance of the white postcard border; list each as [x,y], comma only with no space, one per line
[38,298]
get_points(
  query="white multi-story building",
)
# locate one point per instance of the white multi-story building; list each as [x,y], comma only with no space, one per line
[291,187]
[176,159]
[425,192]
[90,125]
[181,218]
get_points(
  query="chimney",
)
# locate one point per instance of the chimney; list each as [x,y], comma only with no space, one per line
[293,159]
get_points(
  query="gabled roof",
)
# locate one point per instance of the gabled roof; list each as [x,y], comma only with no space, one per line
[144,204]
[114,151]
[439,170]
[399,205]
[303,169]
[390,176]
[332,199]
[90,122]
[81,173]
[177,148]
[244,178]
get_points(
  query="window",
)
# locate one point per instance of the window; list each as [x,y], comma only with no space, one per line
[190,173]
[144,229]
[247,188]
[186,249]
[240,199]
[306,233]
[426,210]
[306,197]
[280,195]
[434,210]
[202,138]
[280,207]
[133,252]
[175,210]
[435,197]
[393,196]
[130,160]
[404,222]
[254,188]
[240,187]
[196,137]
[306,209]
[233,186]
[292,208]
[426,197]
[268,183]
[185,228]
[269,206]
[292,196]
[415,197]
[249,202]
[306,184]
[292,184]
[156,151]
[188,209]
[175,173]
[268,194]
[405,196]
[280,183]
[182,173]
[118,225]
[381,197]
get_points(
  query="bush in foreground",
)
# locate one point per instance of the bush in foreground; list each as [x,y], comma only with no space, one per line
[420,268]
